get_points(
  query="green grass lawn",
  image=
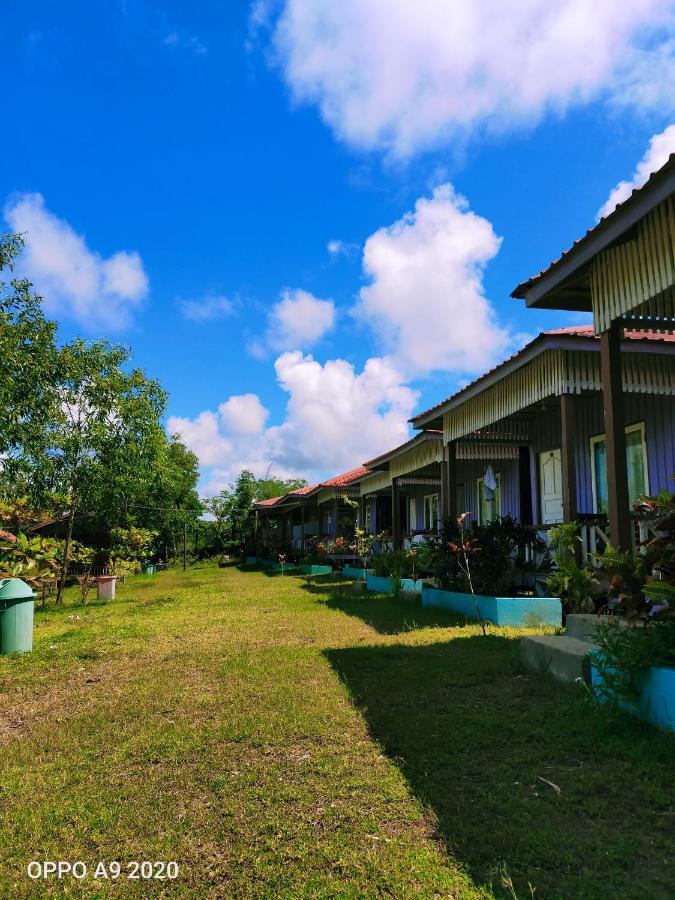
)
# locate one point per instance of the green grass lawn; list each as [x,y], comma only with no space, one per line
[280,740]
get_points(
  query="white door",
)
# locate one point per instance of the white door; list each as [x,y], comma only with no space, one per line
[550,487]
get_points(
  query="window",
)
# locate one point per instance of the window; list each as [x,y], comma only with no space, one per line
[636,460]
[489,510]
[367,512]
[412,515]
[328,522]
[431,512]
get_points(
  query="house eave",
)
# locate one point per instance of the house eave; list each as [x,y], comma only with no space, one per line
[544,291]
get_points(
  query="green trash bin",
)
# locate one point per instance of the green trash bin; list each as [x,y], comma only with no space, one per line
[149,569]
[17,602]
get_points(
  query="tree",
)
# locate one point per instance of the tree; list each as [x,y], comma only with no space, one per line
[268,487]
[99,412]
[81,433]
[233,508]
[27,364]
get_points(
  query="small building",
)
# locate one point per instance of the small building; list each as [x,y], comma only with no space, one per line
[533,429]
[623,272]
[318,510]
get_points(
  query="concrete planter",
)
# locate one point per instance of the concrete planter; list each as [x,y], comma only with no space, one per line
[277,567]
[352,572]
[386,585]
[656,703]
[315,570]
[516,612]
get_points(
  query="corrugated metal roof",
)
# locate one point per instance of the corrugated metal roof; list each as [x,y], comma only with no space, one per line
[415,439]
[574,331]
[271,501]
[520,290]
[342,480]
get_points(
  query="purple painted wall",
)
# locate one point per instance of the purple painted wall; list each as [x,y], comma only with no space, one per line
[468,473]
[658,414]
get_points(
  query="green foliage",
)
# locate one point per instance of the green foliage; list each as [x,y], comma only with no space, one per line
[81,431]
[31,558]
[627,653]
[28,364]
[574,584]
[659,552]
[504,548]
[133,543]
[396,564]
[268,487]
[234,516]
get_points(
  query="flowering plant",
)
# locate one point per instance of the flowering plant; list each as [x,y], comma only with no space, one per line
[463,550]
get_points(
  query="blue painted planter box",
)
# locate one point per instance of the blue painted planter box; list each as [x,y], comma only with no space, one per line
[656,704]
[315,570]
[250,560]
[266,563]
[386,585]
[287,567]
[516,612]
[352,572]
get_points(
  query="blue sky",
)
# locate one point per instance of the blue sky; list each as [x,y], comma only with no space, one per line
[180,170]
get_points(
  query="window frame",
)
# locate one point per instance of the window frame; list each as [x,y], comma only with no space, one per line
[479,484]
[599,438]
[433,526]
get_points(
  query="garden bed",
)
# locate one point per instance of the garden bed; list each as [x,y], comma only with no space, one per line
[656,701]
[354,572]
[516,612]
[386,585]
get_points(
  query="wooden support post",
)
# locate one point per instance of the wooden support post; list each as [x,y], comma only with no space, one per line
[615,436]
[361,520]
[450,511]
[568,458]
[302,527]
[445,501]
[396,535]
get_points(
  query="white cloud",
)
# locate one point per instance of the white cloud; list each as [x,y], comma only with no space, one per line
[425,300]
[181,40]
[297,321]
[660,147]
[405,75]
[243,414]
[337,248]
[75,281]
[203,436]
[204,309]
[335,418]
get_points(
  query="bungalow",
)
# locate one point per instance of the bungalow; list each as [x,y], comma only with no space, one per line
[401,493]
[527,439]
[623,272]
[316,510]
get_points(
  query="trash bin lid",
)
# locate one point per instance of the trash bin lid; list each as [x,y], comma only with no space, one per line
[15,589]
